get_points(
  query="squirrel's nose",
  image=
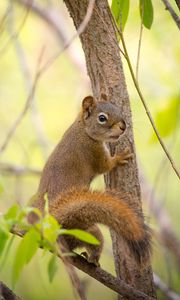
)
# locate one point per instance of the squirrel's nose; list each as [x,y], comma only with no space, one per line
[122,125]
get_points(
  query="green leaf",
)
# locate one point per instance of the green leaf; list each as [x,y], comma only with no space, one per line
[50,228]
[52,267]
[81,235]
[33,240]
[3,239]
[120,11]
[12,212]
[10,218]
[146,12]
[9,245]
[25,251]
[3,225]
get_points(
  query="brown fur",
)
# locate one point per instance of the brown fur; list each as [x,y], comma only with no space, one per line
[77,159]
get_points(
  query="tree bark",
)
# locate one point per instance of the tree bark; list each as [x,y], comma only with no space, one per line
[106,74]
[6,293]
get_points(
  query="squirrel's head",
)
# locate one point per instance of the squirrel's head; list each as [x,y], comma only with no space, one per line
[102,120]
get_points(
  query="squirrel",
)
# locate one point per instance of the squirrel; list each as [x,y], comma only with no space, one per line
[80,156]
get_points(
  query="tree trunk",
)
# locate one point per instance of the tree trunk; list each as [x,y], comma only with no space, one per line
[106,73]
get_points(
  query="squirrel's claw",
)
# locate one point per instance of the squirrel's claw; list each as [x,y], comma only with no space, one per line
[124,156]
[90,259]
[84,254]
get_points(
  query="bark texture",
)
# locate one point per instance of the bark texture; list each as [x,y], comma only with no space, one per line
[106,73]
[6,293]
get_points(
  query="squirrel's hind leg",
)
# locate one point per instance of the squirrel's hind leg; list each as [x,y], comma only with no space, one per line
[94,251]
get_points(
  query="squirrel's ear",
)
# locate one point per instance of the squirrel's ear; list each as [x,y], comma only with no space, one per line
[88,105]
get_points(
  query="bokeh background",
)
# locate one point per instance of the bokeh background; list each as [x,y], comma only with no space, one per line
[27,41]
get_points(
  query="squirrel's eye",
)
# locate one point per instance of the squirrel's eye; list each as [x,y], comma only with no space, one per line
[102,118]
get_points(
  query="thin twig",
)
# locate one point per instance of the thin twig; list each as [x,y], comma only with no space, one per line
[56,22]
[2,21]
[79,31]
[16,34]
[9,169]
[78,287]
[46,15]
[36,120]
[139,44]
[172,12]
[169,294]
[6,293]
[178,3]
[25,109]
[115,284]
[68,43]
[144,102]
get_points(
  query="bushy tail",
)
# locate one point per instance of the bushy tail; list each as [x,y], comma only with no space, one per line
[83,208]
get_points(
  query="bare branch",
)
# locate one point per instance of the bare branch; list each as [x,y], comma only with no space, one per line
[139,44]
[79,31]
[36,119]
[16,33]
[6,293]
[79,290]
[115,284]
[3,20]
[67,43]
[178,3]
[59,27]
[9,169]
[108,280]
[25,109]
[172,12]
[46,16]
[78,287]
[171,295]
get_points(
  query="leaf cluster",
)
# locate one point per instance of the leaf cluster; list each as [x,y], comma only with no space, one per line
[120,10]
[43,234]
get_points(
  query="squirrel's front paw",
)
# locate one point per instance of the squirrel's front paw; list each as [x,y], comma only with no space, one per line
[124,156]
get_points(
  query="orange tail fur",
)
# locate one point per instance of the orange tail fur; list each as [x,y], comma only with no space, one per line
[83,208]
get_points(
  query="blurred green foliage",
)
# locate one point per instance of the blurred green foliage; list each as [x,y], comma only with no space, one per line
[43,234]
[167,117]
[57,101]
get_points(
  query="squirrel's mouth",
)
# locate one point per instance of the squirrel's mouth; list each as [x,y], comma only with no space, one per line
[114,138]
